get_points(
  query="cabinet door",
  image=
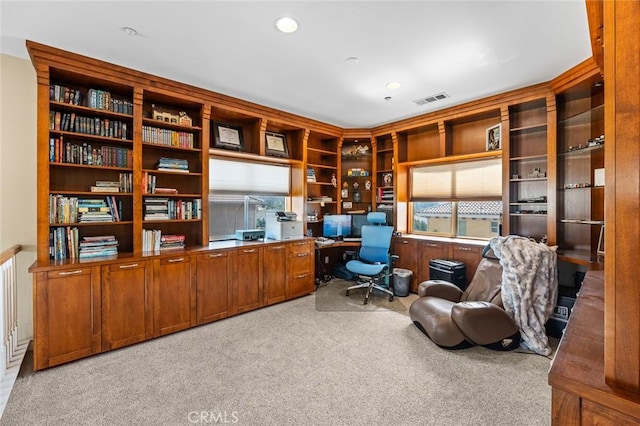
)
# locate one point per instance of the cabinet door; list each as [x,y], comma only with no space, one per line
[428,250]
[174,300]
[127,316]
[275,274]
[212,287]
[470,255]
[67,315]
[246,283]
[407,251]
[301,269]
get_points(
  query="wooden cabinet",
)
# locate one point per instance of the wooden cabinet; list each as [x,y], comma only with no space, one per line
[407,251]
[275,273]
[213,295]
[247,279]
[580,204]
[383,166]
[67,324]
[174,295]
[127,304]
[428,250]
[530,192]
[470,255]
[300,267]
[356,164]
[322,179]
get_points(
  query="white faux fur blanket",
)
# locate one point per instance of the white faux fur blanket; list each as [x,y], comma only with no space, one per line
[529,286]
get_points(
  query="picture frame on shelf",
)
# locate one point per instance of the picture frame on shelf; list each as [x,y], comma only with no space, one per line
[227,136]
[494,138]
[276,144]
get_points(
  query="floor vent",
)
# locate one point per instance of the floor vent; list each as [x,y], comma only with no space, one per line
[432,98]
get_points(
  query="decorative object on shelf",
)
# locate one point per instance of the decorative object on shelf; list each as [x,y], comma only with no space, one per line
[537,173]
[276,144]
[311,174]
[598,177]
[367,185]
[494,138]
[185,120]
[387,178]
[600,249]
[165,116]
[356,185]
[357,172]
[515,176]
[591,143]
[357,197]
[345,190]
[347,204]
[355,151]
[334,181]
[228,136]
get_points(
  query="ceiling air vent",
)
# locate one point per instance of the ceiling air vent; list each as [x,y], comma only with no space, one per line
[432,98]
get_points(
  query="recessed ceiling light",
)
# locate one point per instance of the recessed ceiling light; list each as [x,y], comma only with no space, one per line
[129,31]
[387,98]
[393,85]
[352,60]
[286,24]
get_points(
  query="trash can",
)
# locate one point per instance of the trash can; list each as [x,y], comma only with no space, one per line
[401,281]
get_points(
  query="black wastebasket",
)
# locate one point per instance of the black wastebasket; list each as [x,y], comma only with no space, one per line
[401,281]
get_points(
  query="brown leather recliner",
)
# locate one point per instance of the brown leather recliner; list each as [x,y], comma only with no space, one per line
[455,319]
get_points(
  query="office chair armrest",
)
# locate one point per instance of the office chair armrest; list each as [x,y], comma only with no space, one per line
[440,288]
[483,323]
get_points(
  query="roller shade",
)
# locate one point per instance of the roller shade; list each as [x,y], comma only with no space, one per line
[241,177]
[473,180]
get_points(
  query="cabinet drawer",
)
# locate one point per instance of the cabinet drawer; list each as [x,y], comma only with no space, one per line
[301,284]
[68,273]
[459,248]
[300,263]
[300,247]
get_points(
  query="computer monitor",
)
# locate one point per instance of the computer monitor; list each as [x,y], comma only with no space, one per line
[357,220]
[336,225]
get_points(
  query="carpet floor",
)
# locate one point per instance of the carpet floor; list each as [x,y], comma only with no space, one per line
[290,364]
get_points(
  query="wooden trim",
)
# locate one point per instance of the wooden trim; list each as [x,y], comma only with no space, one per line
[581,72]
[9,253]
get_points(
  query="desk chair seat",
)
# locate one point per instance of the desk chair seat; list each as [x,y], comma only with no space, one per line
[373,265]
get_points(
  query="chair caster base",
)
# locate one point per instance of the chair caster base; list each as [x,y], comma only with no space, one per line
[390,298]
[346,293]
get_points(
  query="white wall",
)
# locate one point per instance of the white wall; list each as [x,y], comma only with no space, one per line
[18,102]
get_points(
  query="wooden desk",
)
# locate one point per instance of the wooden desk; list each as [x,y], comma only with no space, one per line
[579,393]
[329,255]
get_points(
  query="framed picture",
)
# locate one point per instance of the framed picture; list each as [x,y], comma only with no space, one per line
[228,136]
[276,144]
[494,138]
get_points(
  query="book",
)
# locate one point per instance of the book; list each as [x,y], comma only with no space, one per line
[105,189]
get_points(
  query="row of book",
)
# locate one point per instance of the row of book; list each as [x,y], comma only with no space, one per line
[63,209]
[124,184]
[64,244]
[101,99]
[173,165]
[167,137]
[385,194]
[153,240]
[149,185]
[65,94]
[70,122]
[160,208]
[76,153]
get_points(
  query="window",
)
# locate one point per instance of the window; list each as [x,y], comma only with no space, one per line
[457,199]
[240,193]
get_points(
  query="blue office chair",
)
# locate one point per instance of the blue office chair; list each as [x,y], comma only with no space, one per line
[374,263]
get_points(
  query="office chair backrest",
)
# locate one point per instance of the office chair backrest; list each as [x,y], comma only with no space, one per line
[376,239]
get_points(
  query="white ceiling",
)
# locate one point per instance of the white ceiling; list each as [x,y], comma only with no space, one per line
[467,49]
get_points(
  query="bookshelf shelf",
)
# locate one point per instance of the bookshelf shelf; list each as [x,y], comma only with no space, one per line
[81,224]
[90,137]
[150,145]
[86,166]
[63,106]
[92,194]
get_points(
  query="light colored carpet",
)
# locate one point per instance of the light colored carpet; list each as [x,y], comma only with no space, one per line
[331,296]
[290,364]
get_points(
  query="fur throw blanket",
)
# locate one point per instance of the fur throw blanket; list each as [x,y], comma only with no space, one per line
[529,286]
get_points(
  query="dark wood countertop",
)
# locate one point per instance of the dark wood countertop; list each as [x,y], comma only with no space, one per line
[578,365]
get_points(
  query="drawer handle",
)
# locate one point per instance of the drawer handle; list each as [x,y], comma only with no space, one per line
[79,271]
[180,259]
[464,249]
[277,247]
[216,255]
[133,265]
[249,251]
[302,254]
[404,242]
[300,244]
[302,276]
[431,245]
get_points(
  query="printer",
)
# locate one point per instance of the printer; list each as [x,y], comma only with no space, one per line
[282,226]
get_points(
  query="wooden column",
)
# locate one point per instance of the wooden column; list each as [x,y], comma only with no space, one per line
[622,199]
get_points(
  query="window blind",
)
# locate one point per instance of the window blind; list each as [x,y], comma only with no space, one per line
[473,180]
[247,178]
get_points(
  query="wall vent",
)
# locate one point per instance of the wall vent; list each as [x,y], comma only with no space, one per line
[432,98]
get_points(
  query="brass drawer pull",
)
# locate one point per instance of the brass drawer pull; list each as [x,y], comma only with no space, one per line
[432,245]
[302,254]
[216,255]
[302,276]
[133,265]
[277,248]
[249,251]
[79,271]
[180,259]
[465,249]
